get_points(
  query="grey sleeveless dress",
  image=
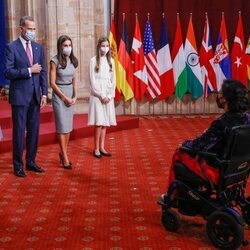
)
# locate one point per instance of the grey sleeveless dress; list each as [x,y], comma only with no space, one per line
[63,114]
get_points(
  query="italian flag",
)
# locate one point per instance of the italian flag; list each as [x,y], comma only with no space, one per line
[195,86]
[179,65]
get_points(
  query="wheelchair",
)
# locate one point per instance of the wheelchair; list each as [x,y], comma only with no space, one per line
[224,204]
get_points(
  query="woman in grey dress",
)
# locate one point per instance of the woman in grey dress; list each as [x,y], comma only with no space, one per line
[64,85]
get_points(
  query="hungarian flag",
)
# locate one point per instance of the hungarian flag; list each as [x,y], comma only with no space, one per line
[113,45]
[248,61]
[179,64]
[154,84]
[238,57]
[139,66]
[221,60]
[164,61]
[125,68]
[195,86]
[206,58]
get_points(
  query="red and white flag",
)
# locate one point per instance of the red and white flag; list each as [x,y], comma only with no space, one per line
[238,57]
[139,66]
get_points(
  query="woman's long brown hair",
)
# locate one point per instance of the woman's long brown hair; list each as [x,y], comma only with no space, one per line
[61,57]
[98,54]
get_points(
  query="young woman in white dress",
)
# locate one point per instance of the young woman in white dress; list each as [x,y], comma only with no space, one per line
[102,92]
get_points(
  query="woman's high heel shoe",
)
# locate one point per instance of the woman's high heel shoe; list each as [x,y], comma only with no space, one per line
[65,165]
[68,166]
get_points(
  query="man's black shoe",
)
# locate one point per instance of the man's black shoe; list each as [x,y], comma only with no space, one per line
[19,173]
[34,168]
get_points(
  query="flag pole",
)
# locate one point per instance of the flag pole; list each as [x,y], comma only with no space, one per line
[191,17]
[150,103]
[189,103]
[137,102]
[163,101]
[134,103]
[205,81]
[124,103]
[176,99]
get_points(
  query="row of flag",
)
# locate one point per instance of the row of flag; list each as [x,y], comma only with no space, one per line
[143,72]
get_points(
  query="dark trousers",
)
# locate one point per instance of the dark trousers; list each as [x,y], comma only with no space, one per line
[25,117]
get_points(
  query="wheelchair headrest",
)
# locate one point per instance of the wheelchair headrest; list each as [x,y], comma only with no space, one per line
[238,144]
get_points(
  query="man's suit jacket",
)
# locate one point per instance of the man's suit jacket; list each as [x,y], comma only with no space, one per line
[22,86]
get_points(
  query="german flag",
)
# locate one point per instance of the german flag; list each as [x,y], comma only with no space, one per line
[125,67]
[113,45]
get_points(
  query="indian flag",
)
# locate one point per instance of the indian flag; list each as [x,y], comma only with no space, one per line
[195,85]
[179,65]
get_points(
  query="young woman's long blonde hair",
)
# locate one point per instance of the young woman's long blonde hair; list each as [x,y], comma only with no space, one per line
[98,54]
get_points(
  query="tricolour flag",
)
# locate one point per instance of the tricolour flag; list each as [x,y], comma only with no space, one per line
[221,60]
[238,57]
[248,61]
[125,68]
[139,66]
[154,85]
[195,86]
[164,61]
[113,45]
[179,64]
[206,57]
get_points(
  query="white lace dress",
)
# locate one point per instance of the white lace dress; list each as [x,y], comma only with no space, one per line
[102,84]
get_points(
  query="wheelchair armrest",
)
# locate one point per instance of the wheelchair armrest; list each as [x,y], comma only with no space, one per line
[211,156]
[202,154]
[188,150]
[207,155]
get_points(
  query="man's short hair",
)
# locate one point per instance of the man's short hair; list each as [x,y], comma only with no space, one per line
[24,19]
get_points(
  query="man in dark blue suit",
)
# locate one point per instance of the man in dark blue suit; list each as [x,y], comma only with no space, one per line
[25,68]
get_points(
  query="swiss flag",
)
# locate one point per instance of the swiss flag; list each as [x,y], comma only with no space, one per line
[238,57]
[139,67]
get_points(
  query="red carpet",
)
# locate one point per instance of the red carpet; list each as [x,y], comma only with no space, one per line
[107,203]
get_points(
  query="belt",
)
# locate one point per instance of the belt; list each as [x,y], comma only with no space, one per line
[61,84]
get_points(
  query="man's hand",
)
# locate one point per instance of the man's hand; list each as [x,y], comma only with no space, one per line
[36,68]
[43,101]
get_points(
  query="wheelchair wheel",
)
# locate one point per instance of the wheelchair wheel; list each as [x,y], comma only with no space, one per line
[170,220]
[224,231]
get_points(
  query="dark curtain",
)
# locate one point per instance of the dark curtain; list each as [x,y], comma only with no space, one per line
[2,42]
[198,8]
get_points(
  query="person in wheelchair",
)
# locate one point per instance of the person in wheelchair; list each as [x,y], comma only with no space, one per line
[208,175]
[233,99]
